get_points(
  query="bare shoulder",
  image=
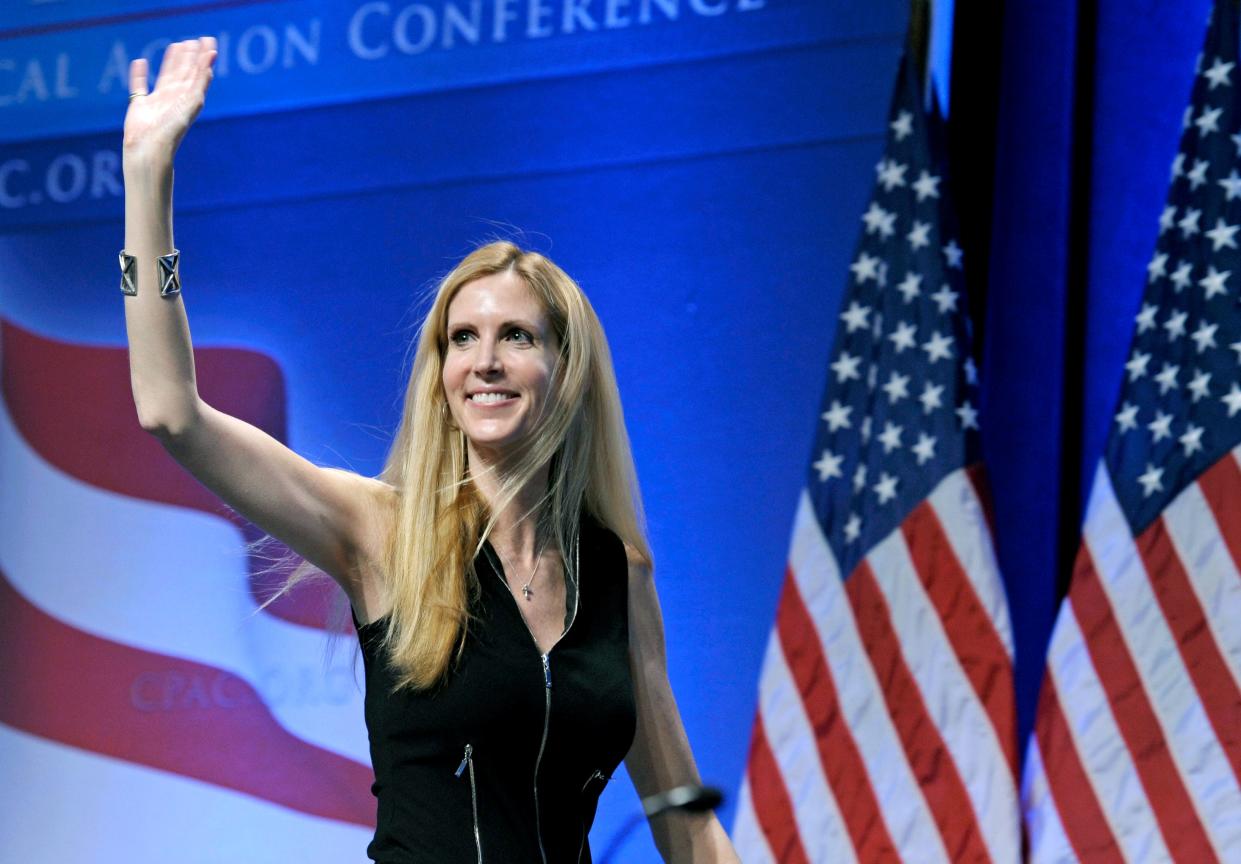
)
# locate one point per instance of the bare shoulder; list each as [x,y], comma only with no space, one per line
[640,567]
[646,623]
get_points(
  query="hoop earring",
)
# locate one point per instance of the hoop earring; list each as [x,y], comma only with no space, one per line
[446,416]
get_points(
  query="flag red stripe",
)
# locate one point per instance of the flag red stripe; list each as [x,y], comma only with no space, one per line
[924,747]
[968,626]
[1221,486]
[838,752]
[1214,683]
[1074,797]
[176,715]
[1136,717]
[772,807]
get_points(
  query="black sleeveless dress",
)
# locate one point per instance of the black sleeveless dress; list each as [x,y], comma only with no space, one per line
[504,761]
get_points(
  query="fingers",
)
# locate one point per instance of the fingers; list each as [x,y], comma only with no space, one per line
[139,70]
[177,57]
[206,59]
[189,60]
[167,64]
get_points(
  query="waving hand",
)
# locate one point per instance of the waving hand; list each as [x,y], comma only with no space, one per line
[158,119]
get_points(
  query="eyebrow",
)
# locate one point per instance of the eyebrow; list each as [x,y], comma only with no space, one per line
[517,322]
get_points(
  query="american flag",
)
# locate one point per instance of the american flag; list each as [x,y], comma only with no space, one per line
[885,727]
[145,704]
[1136,753]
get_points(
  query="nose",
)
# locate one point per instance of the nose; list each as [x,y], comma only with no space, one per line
[487,358]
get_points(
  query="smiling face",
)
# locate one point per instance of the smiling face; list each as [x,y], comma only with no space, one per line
[498,363]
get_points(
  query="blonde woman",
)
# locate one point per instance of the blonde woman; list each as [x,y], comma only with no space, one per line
[497,571]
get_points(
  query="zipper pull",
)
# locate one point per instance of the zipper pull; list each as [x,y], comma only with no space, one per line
[547,672]
[465,760]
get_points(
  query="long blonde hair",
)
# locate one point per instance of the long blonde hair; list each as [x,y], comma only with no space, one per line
[441,521]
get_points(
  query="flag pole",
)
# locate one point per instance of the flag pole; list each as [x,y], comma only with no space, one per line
[920,37]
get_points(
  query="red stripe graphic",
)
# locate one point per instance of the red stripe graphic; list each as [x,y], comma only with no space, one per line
[772,806]
[1074,797]
[1182,832]
[842,763]
[73,406]
[924,747]
[1213,681]
[172,714]
[978,647]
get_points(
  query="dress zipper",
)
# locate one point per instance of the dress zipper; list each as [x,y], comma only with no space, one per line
[467,761]
[597,775]
[547,716]
[547,689]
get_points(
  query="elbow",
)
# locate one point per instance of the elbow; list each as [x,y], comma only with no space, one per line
[166,431]
[168,426]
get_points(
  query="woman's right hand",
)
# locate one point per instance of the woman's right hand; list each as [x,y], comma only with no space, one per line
[157,120]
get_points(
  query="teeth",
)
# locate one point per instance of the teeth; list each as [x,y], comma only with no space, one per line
[489,397]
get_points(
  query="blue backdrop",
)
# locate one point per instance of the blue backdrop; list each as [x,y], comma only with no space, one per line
[698,165]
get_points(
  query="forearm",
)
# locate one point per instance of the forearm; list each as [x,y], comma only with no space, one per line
[161,358]
[692,838]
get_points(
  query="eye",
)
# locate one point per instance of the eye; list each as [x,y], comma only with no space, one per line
[460,337]
[519,335]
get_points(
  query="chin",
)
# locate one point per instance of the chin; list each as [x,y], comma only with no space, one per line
[494,441]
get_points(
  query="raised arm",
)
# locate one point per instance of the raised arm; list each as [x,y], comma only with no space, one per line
[660,758]
[334,519]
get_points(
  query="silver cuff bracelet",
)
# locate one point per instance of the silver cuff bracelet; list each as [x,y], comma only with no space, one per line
[169,277]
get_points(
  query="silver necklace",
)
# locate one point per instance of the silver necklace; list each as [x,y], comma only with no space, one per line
[538,562]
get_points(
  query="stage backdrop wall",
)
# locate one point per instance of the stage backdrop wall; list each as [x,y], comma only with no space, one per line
[698,165]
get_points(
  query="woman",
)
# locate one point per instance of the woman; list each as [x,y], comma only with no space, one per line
[496,569]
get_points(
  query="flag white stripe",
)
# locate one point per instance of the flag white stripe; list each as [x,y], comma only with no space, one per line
[1191,740]
[1100,748]
[1048,842]
[48,815]
[951,703]
[824,835]
[172,581]
[1194,532]
[901,802]
[960,513]
[748,838]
